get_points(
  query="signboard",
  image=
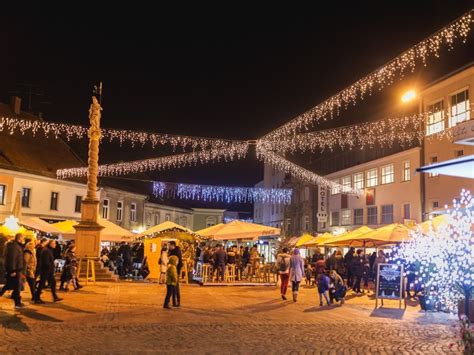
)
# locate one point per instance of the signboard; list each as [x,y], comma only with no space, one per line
[370,197]
[463,133]
[322,214]
[389,283]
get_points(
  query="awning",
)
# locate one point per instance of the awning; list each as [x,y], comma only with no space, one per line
[238,230]
[460,167]
[110,233]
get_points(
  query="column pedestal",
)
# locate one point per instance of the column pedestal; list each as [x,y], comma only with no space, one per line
[88,230]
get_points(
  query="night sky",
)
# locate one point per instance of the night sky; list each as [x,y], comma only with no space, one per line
[226,71]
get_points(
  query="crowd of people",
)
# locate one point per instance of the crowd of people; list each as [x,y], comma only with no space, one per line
[127,261]
[35,262]
[333,276]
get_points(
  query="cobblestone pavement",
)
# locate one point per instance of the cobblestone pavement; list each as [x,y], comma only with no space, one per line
[122,318]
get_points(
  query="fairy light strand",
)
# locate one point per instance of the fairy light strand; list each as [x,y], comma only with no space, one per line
[381,77]
[227,194]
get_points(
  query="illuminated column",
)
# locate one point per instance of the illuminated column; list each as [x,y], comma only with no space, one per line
[88,230]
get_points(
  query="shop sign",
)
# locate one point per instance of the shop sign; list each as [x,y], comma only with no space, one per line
[322,214]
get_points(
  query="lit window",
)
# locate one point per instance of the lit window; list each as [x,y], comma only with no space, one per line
[387,214]
[335,188]
[459,108]
[105,208]
[133,212]
[406,211]
[346,184]
[25,197]
[358,180]
[435,122]
[77,205]
[387,174]
[334,218]
[372,215]
[2,194]
[406,171]
[119,211]
[359,216]
[433,160]
[53,205]
[372,178]
[346,217]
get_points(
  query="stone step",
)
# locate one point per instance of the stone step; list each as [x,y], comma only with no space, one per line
[101,274]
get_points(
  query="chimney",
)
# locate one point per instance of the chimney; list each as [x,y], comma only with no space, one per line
[15,103]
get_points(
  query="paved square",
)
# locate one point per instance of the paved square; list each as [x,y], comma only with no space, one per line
[122,318]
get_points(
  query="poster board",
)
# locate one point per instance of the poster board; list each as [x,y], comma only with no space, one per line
[389,283]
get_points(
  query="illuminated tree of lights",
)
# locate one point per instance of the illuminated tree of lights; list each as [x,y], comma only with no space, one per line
[444,257]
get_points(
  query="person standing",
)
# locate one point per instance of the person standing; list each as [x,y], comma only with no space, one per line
[283,263]
[296,272]
[348,263]
[163,264]
[47,272]
[14,268]
[176,251]
[358,270]
[220,260]
[380,259]
[126,253]
[29,256]
[171,282]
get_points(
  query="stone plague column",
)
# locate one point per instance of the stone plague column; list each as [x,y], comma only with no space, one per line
[88,230]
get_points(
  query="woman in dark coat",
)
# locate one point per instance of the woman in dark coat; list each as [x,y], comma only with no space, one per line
[358,262]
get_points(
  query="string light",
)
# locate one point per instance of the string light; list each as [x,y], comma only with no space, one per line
[443,258]
[301,173]
[226,194]
[232,151]
[378,79]
[135,138]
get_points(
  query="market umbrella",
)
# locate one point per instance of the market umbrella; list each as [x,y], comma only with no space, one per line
[303,240]
[111,232]
[239,230]
[434,223]
[320,239]
[389,234]
[38,224]
[347,238]
[170,230]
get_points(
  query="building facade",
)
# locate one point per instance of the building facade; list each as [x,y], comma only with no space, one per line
[157,213]
[207,217]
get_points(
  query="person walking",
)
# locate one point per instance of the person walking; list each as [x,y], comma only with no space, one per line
[14,263]
[47,273]
[296,272]
[29,257]
[176,251]
[283,264]
[171,282]
[163,264]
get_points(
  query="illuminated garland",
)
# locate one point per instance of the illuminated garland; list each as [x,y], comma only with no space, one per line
[443,258]
[300,173]
[228,153]
[226,194]
[70,131]
[381,77]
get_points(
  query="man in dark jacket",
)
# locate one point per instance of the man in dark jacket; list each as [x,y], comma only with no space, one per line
[220,260]
[173,249]
[47,272]
[349,267]
[14,268]
[126,253]
[317,256]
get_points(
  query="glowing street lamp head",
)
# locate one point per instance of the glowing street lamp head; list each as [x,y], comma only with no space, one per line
[409,96]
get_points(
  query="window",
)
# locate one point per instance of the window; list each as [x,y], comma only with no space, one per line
[211,221]
[387,174]
[406,171]
[148,218]
[53,205]
[372,178]
[346,183]
[183,220]
[435,204]
[2,194]
[435,122]
[406,211]
[459,108]
[433,160]
[346,217]
[168,217]
[157,219]
[334,218]
[105,208]
[119,211]
[387,214]
[25,197]
[371,215]
[358,180]
[335,188]
[458,153]
[133,212]
[306,223]
[77,204]
[359,216]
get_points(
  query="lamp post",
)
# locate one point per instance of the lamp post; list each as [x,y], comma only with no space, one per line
[88,230]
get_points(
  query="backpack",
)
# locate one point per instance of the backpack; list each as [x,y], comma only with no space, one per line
[282,266]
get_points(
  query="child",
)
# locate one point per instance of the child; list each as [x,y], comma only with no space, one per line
[171,282]
[323,288]
[308,274]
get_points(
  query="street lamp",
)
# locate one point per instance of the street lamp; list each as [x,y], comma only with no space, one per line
[408,96]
